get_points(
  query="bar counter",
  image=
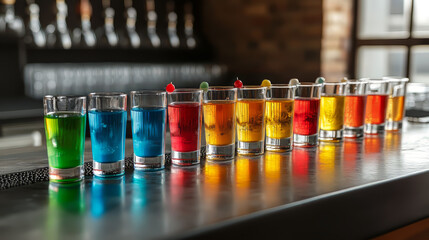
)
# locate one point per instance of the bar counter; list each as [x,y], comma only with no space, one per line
[351,190]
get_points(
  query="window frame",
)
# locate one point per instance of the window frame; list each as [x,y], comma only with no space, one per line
[356,43]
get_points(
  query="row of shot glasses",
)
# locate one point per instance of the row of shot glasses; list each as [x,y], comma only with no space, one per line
[245,120]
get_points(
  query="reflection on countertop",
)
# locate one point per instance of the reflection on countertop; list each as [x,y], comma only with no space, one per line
[171,202]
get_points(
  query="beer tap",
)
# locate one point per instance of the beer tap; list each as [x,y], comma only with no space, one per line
[107,34]
[9,22]
[151,23]
[189,26]
[172,25]
[131,15]
[57,32]
[35,34]
[89,39]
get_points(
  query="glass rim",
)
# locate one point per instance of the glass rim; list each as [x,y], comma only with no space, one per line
[107,94]
[335,83]
[252,87]
[224,88]
[186,90]
[309,84]
[49,97]
[282,86]
[356,81]
[396,79]
[376,80]
[148,92]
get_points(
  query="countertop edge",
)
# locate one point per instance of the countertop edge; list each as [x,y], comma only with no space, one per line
[359,212]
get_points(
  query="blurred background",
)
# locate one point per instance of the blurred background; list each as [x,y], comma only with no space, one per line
[80,46]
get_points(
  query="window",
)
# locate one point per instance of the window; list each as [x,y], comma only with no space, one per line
[391,38]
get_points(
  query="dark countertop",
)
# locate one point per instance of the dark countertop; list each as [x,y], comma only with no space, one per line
[351,190]
[20,108]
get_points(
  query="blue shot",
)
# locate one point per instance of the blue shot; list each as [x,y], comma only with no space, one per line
[148,127]
[108,130]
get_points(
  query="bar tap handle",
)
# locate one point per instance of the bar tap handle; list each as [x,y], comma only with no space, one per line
[172,25]
[189,26]
[35,35]
[85,9]
[9,22]
[108,35]
[151,23]
[131,18]
[58,33]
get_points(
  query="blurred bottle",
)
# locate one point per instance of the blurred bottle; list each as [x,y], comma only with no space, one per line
[172,25]
[152,18]
[57,33]
[189,26]
[10,24]
[129,36]
[35,36]
[106,34]
[85,36]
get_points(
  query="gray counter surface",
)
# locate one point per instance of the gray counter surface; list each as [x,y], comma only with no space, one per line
[355,189]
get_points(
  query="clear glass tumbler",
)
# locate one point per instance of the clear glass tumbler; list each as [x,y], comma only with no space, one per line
[395,103]
[250,116]
[331,118]
[107,115]
[376,105]
[148,119]
[279,117]
[354,112]
[219,122]
[184,115]
[65,124]
[306,114]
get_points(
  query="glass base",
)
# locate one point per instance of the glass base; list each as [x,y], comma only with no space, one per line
[330,136]
[108,169]
[149,163]
[250,148]
[220,153]
[305,140]
[393,126]
[185,158]
[278,145]
[374,129]
[352,132]
[74,174]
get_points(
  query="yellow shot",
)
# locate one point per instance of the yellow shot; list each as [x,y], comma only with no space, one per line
[250,120]
[278,118]
[331,113]
[395,109]
[219,122]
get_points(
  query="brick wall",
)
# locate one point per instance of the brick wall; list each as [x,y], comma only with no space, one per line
[337,25]
[274,39]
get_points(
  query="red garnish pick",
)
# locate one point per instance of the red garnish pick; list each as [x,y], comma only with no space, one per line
[238,83]
[170,88]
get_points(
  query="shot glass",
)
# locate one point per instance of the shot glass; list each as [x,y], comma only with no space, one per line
[331,119]
[376,105]
[148,118]
[107,116]
[279,117]
[354,110]
[219,122]
[184,115]
[250,114]
[65,124]
[395,103]
[306,114]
